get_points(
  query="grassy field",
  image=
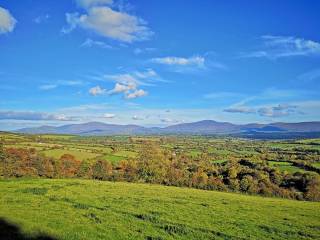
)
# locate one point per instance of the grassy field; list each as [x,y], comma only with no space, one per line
[84,209]
[79,154]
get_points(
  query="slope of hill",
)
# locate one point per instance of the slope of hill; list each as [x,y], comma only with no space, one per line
[201,127]
[87,209]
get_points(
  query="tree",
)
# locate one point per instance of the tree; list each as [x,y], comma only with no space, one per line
[313,189]
[102,170]
[2,159]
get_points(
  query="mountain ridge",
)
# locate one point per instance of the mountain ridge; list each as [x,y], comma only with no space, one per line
[200,127]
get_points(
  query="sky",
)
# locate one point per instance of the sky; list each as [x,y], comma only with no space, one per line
[158,63]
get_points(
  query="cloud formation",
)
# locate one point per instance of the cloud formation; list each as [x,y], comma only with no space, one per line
[137,93]
[280,110]
[59,83]
[107,22]
[277,111]
[240,109]
[34,116]
[92,43]
[181,61]
[95,91]
[91,3]
[128,83]
[7,21]
[285,46]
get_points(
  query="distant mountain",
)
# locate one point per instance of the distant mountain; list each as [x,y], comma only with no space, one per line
[202,127]
[90,128]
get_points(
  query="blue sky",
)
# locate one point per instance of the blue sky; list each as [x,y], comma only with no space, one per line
[157,63]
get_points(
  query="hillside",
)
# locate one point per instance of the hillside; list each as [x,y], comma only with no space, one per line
[83,209]
[201,127]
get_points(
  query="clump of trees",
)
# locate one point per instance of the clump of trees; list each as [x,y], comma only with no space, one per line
[156,165]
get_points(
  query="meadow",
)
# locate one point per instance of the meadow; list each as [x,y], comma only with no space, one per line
[87,209]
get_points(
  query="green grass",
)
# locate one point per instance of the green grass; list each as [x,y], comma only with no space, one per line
[113,158]
[84,209]
[286,166]
[317,164]
[80,155]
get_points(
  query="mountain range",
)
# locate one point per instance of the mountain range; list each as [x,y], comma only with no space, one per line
[205,127]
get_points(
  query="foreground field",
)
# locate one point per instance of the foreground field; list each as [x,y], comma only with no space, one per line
[87,209]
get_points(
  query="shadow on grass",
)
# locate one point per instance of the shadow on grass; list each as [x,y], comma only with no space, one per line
[9,231]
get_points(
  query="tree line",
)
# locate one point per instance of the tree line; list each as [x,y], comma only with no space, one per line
[156,165]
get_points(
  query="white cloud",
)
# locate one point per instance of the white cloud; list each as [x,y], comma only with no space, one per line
[7,21]
[285,46]
[122,88]
[91,3]
[180,61]
[97,91]
[92,43]
[137,93]
[109,115]
[109,23]
[129,83]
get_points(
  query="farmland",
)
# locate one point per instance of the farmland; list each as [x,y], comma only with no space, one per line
[49,187]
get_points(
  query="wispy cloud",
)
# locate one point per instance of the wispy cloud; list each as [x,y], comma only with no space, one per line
[7,21]
[107,22]
[92,43]
[240,109]
[277,111]
[109,115]
[41,19]
[222,95]
[197,61]
[310,76]
[284,46]
[59,83]
[280,110]
[91,3]
[193,64]
[137,118]
[35,116]
[138,51]
[48,86]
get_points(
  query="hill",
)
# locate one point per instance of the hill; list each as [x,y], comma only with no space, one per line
[202,127]
[84,209]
